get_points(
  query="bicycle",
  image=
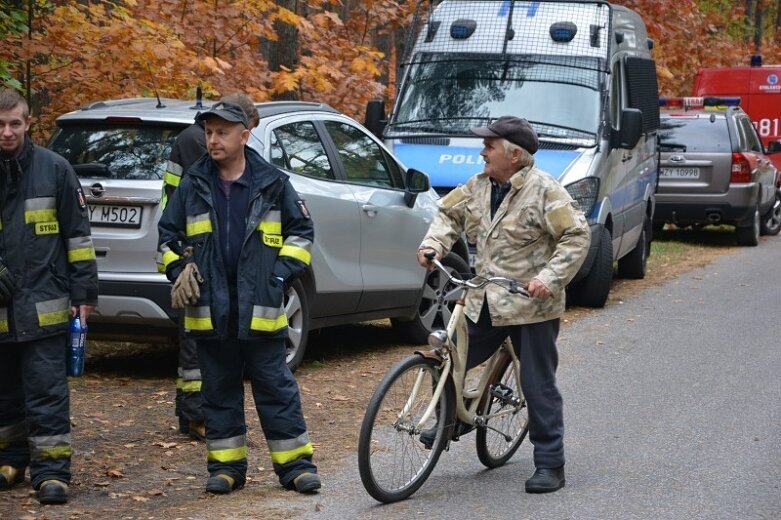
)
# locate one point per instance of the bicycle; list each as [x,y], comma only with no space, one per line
[421,405]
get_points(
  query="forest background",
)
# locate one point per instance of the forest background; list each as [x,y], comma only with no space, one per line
[64,54]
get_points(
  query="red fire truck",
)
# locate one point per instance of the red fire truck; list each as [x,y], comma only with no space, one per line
[759,89]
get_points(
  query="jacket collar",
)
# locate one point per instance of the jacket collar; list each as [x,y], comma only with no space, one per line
[262,173]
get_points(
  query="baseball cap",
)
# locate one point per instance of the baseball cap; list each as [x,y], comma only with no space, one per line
[515,129]
[227,111]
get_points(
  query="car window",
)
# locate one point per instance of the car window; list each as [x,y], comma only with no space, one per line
[365,162]
[138,152]
[297,147]
[696,134]
[752,141]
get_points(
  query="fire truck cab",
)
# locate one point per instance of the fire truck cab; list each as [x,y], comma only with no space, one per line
[759,89]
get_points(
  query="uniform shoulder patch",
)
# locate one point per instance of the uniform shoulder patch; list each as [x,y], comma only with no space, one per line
[303,209]
[453,198]
[80,200]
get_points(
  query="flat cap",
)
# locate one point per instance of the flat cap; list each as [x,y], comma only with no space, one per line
[515,129]
[227,111]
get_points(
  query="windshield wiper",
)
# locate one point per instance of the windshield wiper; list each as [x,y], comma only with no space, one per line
[92,170]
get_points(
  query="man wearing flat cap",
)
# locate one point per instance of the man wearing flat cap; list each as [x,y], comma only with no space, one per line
[528,228]
[233,237]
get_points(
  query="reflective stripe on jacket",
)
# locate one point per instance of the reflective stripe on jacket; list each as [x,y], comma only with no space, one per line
[538,232]
[277,243]
[45,242]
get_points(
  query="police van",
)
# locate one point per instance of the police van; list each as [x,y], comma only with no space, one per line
[581,72]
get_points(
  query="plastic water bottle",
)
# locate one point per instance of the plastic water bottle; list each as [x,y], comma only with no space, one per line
[77,347]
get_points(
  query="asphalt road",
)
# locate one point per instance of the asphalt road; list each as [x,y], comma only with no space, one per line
[672,410]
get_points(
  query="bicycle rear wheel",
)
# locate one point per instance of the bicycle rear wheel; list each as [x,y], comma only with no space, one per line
[494,449]
[392,460]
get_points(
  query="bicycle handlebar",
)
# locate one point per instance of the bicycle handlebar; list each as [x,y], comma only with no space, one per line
[511,285]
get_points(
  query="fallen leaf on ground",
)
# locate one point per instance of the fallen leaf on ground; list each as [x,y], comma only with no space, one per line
[114,473]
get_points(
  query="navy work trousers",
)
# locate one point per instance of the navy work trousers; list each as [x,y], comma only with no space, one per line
[276,395]
[535,346]
[35,408]
[188,383]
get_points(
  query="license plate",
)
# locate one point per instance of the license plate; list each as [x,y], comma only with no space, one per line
[680,173]
[118,216]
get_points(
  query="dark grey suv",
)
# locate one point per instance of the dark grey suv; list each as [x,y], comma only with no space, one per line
[370,214]
[713,169]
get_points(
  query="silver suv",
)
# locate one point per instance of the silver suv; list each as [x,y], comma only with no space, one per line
[370,214]
[714,170]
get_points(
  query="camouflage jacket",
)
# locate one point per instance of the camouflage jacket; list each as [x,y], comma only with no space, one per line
[538,232]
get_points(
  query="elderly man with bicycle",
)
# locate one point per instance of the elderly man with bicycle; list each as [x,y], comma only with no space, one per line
[527,227]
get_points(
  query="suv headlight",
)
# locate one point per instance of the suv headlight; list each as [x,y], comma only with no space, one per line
[585,191]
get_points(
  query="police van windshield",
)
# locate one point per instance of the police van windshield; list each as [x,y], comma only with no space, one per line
[448,94]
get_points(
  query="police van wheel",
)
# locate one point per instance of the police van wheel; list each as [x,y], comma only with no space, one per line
[592,290]
[436,303]
[297,310]
[635,264]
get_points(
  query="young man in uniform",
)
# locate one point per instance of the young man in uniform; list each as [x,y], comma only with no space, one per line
[48,274]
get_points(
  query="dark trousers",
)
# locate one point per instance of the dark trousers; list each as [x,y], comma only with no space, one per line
[535,346]
[188,382]
[35,408]
[277,401]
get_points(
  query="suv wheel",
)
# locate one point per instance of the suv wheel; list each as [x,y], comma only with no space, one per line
[749,235]
[771,221]
[439,297]
[297,311]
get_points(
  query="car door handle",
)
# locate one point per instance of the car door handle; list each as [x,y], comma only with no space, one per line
[626,157]
[370,209]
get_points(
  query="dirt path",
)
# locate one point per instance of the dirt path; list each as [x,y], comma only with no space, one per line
[131,463]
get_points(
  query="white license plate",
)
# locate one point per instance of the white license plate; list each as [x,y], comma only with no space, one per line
[120,216]
[680,173]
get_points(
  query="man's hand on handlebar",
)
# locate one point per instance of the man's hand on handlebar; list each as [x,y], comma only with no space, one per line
[538,290]
[424,256]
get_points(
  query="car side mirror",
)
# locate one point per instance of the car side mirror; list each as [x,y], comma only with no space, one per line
[416,182]
[375,120]
[631,128]
[774,147]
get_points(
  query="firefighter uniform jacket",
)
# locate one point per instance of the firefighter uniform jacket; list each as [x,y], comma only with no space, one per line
[277,245]
[538,232]
[188,147]
[45,242]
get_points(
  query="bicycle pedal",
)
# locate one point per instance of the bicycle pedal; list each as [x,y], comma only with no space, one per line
[501,391]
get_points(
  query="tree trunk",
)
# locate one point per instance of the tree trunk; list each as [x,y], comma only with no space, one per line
[777,29]
[759,22]
[748,19]
[284,51]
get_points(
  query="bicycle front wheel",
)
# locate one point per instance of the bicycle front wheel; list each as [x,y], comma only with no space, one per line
[497,443]
[392,458]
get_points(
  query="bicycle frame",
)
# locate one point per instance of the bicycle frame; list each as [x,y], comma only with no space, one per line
[454,357]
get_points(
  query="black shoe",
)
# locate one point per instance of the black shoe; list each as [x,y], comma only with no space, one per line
[221,484]
[307,482]
[53,492]
[10,476]
[428,436]
[546,480]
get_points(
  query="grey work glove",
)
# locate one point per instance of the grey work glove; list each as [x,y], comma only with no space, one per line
[186,290]
[7,285]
